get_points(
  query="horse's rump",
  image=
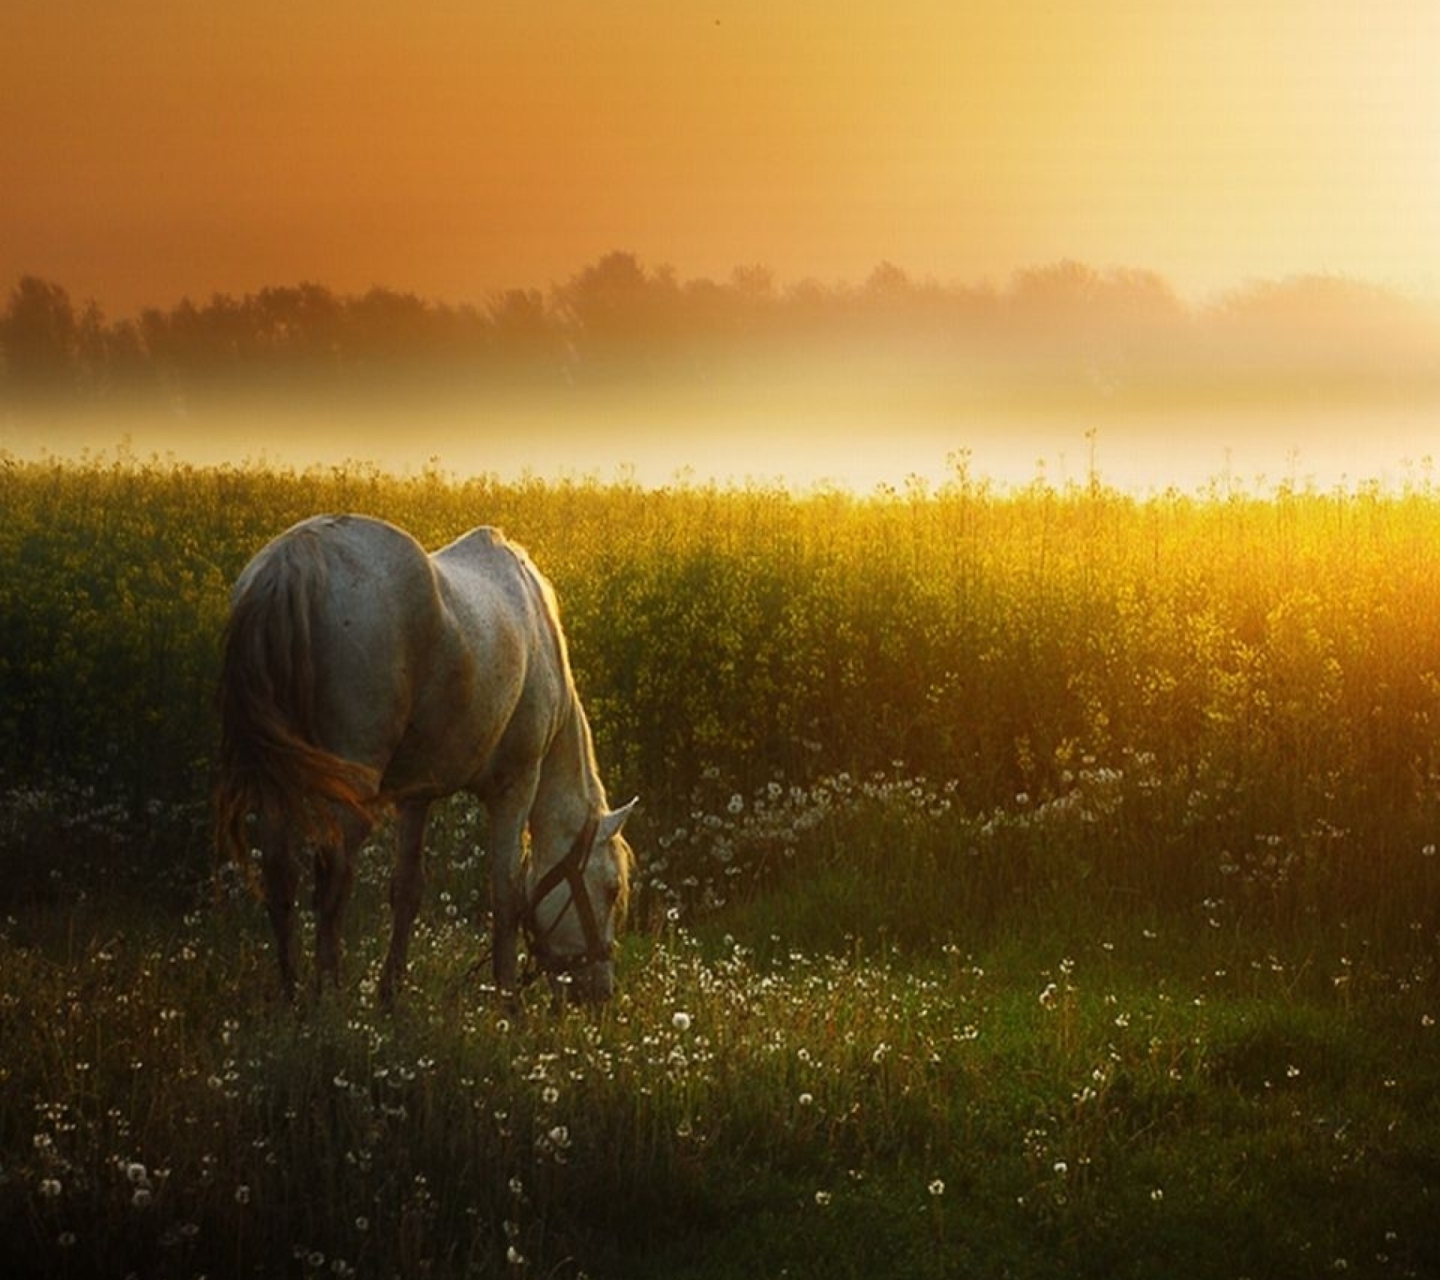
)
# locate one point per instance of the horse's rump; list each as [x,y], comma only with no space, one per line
[271,760]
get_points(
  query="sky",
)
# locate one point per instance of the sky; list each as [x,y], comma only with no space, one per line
[153,150]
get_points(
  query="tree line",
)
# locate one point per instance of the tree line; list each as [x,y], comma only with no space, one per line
[1064,327]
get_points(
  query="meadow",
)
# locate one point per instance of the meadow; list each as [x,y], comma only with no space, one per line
[1034,881]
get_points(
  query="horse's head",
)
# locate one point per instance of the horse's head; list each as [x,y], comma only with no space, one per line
[574,907]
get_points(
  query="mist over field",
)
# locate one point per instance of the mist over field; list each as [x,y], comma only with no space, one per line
[626,371]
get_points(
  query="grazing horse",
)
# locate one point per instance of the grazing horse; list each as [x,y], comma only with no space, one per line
[360,673]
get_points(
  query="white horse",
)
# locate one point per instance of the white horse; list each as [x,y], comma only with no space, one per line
[360,673]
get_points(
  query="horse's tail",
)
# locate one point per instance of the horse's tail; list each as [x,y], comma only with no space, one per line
[271,761]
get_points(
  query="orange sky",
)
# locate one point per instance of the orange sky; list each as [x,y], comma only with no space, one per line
[153,149]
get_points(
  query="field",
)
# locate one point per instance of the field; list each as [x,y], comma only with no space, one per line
[1036,882]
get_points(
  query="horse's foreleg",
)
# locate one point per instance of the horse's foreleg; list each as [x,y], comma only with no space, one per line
[334,876]
[281,877]
[508,815]
[406,882]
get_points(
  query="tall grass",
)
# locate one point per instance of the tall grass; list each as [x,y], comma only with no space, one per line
[799,1083]
[982,635]
[1032,883]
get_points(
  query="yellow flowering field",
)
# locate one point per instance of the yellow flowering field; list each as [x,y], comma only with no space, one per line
[1032,882]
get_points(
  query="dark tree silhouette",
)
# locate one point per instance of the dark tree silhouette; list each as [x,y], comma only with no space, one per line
[40,338]
[1059,331]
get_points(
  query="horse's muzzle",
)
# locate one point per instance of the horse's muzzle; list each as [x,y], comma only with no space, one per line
[589,984]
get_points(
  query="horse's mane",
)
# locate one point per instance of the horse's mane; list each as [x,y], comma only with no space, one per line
[550,611]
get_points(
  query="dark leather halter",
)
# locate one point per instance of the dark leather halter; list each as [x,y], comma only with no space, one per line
[568,870]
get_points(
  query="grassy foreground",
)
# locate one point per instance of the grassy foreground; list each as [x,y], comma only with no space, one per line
[1058,1087]
[1033,885]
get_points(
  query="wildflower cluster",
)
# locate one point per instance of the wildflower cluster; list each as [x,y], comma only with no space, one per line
[732,845]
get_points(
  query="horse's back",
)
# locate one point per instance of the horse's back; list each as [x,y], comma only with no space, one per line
[434,670]
[505,608]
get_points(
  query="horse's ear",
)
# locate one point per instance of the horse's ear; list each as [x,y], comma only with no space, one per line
[610,823]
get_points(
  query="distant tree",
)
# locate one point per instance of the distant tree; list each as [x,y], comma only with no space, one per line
[1058,297]
[1134,296]
[40,337]
[1324,333]
[617,300]
[520,319]
[301,324]
[809,303]
[888,283]
[127,364]
[194,348]
[385,326]
[753,283]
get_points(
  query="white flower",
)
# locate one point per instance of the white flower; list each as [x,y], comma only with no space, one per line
[680,1020]
[937,1187]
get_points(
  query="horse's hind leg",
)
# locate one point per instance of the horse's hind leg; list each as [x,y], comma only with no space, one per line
[334,876]
[406,883]
[281,875]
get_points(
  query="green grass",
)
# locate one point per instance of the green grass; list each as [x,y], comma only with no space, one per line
[1034,885]
[1059,1088]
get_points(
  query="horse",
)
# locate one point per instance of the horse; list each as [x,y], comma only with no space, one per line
[360,675]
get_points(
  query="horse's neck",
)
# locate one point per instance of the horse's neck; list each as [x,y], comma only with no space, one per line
[570,792]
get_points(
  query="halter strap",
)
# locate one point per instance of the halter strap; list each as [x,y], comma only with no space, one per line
[571,870]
